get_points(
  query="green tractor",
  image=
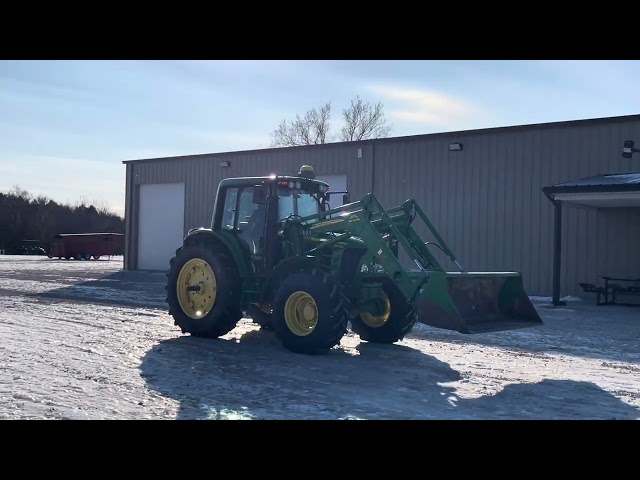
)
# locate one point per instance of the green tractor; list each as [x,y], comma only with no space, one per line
[278,252]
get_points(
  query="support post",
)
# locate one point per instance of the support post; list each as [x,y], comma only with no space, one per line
[557,252]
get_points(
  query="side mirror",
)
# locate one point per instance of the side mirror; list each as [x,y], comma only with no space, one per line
[260,194]
[345,196]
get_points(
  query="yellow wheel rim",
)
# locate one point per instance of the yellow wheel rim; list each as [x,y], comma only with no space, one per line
[376,321]
[301,313]
[196,288]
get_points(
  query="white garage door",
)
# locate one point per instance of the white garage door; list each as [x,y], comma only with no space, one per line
[337,183]
[161,224]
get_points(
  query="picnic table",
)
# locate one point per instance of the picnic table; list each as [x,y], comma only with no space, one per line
[623,286]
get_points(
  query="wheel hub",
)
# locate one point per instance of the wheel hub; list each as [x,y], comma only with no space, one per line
[377,321]
[301,313]
[196,288]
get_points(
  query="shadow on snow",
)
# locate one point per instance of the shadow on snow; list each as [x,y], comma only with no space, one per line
[134,288]
[253,378]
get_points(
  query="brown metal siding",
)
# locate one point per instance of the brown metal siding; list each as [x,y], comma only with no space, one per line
[486,200]
[488,205]
[598,242]
[202,174]
[618,240]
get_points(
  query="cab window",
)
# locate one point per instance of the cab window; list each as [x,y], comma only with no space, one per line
[307,204]
[238,207]
[229,210]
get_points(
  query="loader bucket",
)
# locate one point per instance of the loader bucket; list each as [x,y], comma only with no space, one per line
[476,302]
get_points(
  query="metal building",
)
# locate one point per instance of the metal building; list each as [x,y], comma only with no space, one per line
[483,190]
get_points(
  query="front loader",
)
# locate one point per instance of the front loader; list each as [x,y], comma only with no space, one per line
[277,251]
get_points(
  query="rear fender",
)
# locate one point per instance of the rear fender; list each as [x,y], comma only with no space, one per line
[224,240]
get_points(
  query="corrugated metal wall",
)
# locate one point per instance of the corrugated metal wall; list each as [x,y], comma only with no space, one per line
[487,203]
[202,174]
[618,241]
[485,200]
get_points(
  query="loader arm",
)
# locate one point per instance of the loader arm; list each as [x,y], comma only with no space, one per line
[367,220]
[468,302]
[396,222]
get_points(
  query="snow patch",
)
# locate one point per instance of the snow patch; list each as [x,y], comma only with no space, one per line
[568,298]
[72,357]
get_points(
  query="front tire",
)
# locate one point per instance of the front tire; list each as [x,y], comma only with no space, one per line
[309,314]
[390,327]
[203,291]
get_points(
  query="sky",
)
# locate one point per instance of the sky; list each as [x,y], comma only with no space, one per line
[66,126]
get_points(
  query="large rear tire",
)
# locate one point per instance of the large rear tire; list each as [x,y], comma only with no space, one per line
[390,327]
[309,314]
[203,291]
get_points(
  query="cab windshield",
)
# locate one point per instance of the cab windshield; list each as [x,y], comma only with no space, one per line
[306,203]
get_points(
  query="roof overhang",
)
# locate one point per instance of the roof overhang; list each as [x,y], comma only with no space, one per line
[600,191]
[601,199]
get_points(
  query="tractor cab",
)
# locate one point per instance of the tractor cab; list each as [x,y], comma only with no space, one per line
[255,208]
[296,197]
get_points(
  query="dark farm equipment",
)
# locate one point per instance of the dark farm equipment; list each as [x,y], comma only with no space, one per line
[86,245]
[277,251]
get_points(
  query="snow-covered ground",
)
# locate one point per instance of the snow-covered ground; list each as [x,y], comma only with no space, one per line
[86,340]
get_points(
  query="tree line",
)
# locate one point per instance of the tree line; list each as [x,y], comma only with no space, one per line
[27,217]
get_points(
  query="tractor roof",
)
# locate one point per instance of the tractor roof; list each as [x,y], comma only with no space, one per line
[265,179]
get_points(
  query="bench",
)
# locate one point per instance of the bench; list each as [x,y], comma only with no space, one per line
[613,290]
[591,288]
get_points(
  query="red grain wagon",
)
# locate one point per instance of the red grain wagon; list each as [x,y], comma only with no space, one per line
[86,245]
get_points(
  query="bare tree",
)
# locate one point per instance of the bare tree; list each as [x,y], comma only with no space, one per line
[312,129]
[18,192]
[103,207]
[82,203]
[42,200]
[362,121]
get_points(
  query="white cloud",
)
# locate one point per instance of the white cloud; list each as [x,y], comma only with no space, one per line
[427,107]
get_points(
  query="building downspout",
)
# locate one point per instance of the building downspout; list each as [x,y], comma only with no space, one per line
[557,249]
[128,219]
[373,166]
